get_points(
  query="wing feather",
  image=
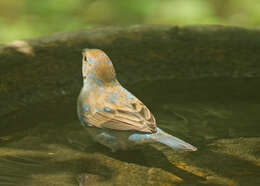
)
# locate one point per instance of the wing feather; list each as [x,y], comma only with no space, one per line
[137,117]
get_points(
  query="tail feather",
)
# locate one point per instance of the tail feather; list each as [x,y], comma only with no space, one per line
[171,141]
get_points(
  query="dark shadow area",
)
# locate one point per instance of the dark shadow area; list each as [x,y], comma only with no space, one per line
[148,156]
[242,171]
[45,111]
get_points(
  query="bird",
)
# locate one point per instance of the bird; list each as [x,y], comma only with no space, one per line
[112,115]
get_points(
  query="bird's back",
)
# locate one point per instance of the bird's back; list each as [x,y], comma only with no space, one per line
[113,107]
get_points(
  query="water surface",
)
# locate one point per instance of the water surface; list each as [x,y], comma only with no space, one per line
[44,144]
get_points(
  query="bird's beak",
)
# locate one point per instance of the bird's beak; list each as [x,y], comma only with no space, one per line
[84,65]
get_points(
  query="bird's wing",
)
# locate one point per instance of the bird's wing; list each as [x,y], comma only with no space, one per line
[132,116]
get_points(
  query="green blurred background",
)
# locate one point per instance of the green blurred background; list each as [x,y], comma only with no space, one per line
[31,18]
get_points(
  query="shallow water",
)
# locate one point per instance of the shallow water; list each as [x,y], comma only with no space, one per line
[45,144]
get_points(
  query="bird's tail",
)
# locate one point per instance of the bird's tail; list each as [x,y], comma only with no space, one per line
[171,141]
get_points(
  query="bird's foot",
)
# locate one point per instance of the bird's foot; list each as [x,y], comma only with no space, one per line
[109,141]
[76,143]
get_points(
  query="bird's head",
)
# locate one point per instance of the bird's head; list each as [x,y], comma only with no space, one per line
[96,64]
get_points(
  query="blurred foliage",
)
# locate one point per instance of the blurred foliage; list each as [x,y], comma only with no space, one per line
[30,18]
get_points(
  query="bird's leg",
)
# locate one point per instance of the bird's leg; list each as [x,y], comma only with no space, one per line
[81,146]
[108,140]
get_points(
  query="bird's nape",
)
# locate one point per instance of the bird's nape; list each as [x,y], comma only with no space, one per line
[98,65]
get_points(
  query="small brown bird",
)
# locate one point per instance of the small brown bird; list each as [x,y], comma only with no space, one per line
[112,115]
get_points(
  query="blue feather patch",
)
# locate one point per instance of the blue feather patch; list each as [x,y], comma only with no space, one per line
[85,108]
[91,60]
[107,109]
